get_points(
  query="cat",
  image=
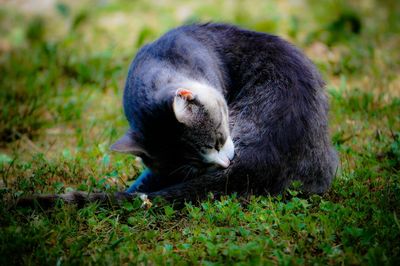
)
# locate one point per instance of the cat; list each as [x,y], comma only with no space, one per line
[214,108]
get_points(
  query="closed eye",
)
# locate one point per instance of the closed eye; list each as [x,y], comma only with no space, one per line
[217,146]
[219,143]
[207,147]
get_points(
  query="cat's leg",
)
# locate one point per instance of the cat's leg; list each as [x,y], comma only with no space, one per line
[246,175]
[146,182]
[216,183]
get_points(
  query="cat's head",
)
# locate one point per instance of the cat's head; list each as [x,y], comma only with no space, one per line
[197,133]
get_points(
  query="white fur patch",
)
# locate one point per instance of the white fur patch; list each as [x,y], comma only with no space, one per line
[143,196]
[206,94]
[179,106]
[228,148]
[224,156]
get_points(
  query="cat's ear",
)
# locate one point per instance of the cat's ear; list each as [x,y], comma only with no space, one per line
[183,106]
[128,144]
[185,94]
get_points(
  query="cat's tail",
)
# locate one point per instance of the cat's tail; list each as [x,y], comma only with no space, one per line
[78,198]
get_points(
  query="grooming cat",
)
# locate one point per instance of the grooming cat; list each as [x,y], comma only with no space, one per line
[215,108]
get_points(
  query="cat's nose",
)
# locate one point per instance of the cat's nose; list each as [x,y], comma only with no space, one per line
[218,158]
[223,161]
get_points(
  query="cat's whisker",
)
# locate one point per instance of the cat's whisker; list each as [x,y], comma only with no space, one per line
[189,173]
[178,169]
[194,159]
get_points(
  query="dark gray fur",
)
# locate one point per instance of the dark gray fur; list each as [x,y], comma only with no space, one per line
[277,111]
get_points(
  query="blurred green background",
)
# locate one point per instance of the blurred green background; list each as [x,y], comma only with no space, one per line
[62,70]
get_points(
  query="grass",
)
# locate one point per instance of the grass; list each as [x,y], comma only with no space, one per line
[62,74]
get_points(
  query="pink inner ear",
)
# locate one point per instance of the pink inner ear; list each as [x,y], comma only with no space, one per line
[187,94]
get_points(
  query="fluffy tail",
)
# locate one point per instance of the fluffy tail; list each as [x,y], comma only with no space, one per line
[78,198]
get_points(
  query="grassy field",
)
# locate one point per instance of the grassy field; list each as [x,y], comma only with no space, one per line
[62,70]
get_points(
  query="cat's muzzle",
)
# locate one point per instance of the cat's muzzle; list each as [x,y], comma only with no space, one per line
[222,157]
